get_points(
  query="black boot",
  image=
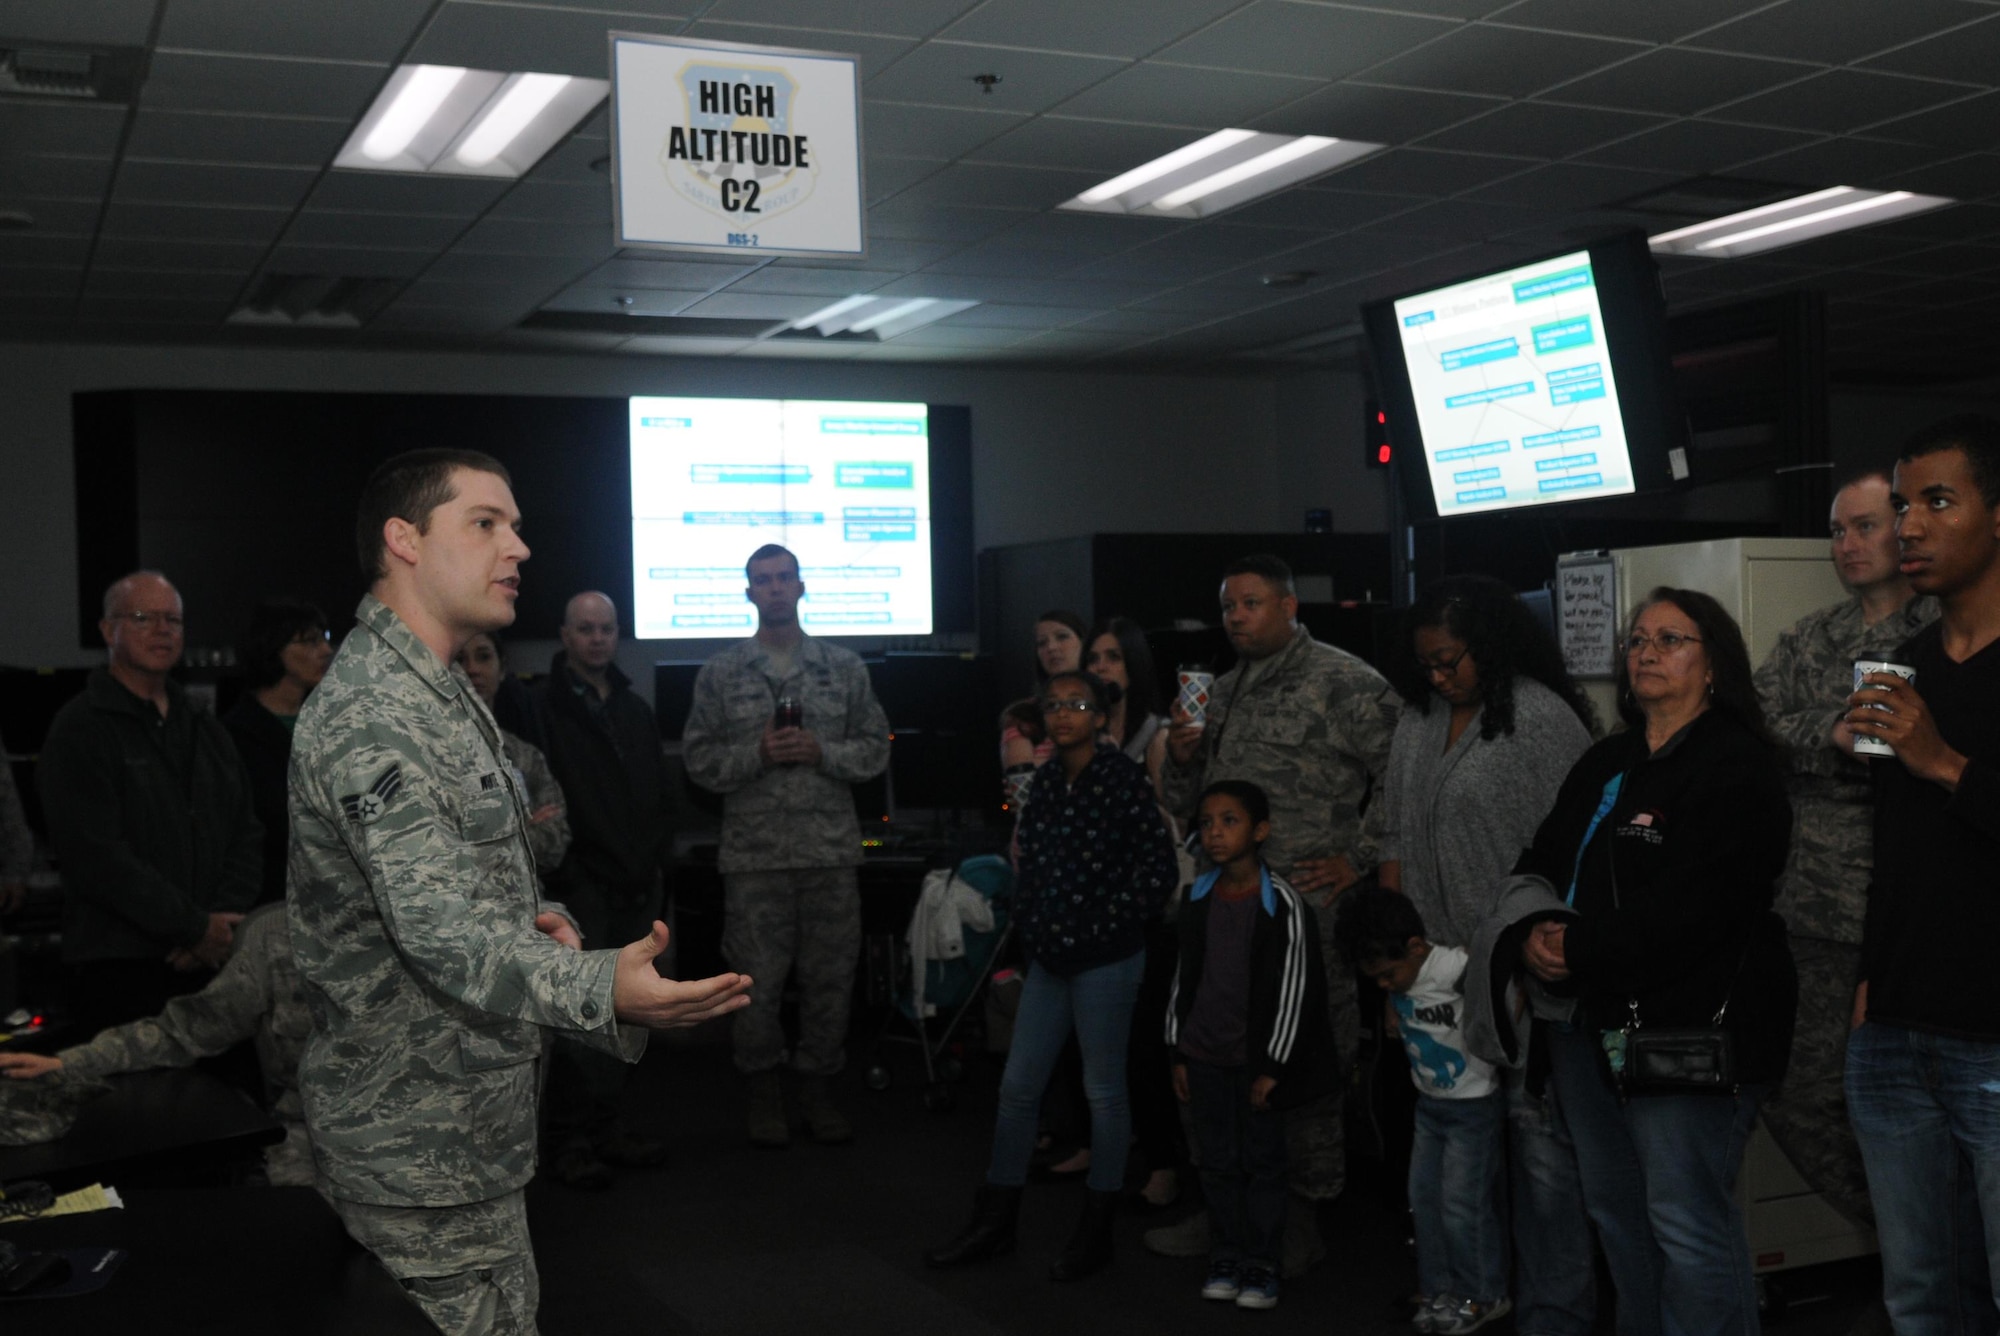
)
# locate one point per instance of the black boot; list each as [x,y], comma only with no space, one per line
[990,1233]
[1089,1249]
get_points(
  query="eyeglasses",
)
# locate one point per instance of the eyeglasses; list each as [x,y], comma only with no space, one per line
[1443,667]
[1058,706]
[1666,642]
[313,638]
[173,621]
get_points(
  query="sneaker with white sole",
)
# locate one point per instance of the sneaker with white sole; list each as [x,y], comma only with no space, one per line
[1257,1287]
[1429,1309]
[1221,1284]
[1471,1315]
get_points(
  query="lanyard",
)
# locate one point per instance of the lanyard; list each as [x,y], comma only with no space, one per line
[1604,806]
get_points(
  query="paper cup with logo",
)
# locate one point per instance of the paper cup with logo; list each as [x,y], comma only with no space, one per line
[1197,685]
[1867,746]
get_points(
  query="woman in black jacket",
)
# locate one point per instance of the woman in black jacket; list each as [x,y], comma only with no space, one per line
[1096,863]
[1668,840]
[284,655]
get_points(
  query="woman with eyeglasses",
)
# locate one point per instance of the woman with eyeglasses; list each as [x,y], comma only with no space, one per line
[1667,842]
[1493,724]
[1095,865]
[284,654]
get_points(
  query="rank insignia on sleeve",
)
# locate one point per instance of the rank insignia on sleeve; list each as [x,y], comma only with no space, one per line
[366,808]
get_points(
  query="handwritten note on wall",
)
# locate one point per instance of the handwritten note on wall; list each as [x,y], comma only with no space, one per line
[1587,612]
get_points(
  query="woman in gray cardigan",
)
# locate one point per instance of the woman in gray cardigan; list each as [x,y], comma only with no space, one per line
[1494,724]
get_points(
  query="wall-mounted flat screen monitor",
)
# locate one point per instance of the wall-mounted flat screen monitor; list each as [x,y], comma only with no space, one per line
[1541,383]
[846,486]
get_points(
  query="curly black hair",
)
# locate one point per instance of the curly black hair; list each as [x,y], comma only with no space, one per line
[274,624]
[1373,923]
[1502,637]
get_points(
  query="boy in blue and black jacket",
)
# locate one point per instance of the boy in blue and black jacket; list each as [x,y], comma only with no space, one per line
[1247,1022]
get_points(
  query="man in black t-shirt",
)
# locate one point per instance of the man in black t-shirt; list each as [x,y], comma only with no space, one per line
[1923,1060]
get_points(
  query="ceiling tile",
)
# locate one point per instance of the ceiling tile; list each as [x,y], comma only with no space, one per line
[1421,171]
[394,231]
[906,131]
[1835,32]
[1504,61]
[908,219]
[521,236]
[1677,81]
[1840,101]
[1696,147]
[687,275]
[195,136]
[163,253]
[1654,21]
[1136,321]
[1574,185]
[1106,147]
[558,202]
[997,186]
[38,127]
[885,178]
[550,273]
[578,160]
[164,284]
[1319,210]
[1973,176]
[515,297]
[1970,54]
[1282,37]
[1376,115]
[375,30]
[523,37]
[32,251]
[999,315]
[397,192]
[52,177]
[940,74]
[877,53]
[799,350]
[137,310]
[1448,220]
[39,283]
[757,306]
[952,336]
[81,22]
[903,18]
[149,182]
[590,297]
[349,261]
[826,284]
[1541,130]
[1063,25]
[1962,125]
[1177,95]
[197,81]
[1840,162]
[177,223]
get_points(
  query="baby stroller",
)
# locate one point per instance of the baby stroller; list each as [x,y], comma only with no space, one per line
[974,895]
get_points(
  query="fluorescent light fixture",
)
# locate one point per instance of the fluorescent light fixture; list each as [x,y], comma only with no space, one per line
[465,122]
[884,317]
[1791,221]
[1228,168]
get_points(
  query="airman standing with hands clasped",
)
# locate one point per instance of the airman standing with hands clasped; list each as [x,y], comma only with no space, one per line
[432,968]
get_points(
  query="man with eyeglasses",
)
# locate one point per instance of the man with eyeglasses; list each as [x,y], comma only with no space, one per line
[149,813]
[790,839]
[1310,725]
[1804,686]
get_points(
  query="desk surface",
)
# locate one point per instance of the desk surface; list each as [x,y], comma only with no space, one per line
[217,1261]
[145,1118]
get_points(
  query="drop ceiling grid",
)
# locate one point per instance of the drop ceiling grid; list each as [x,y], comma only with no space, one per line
[527,245]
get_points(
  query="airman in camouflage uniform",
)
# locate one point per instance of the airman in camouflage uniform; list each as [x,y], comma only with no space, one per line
[548,837]
[1804,687]
[256,996]
[1310,725]
[790,838]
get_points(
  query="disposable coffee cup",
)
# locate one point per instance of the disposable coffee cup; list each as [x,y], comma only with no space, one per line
[1019,778]
[1869,746]
[1197,686]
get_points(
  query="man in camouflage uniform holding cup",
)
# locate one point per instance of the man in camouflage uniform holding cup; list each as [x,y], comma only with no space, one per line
[790,838]
[1310,725]
[1804,686]
[432,969]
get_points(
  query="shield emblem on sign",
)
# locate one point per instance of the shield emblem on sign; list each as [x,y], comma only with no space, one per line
[772,99]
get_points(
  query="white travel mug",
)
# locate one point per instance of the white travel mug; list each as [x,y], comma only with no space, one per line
[1864,745]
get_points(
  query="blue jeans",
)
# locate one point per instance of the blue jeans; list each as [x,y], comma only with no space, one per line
[1926,1110]
[1659,1178]
[1555,1265]
[1457,1171]
[1097,1004]
[1243,1165]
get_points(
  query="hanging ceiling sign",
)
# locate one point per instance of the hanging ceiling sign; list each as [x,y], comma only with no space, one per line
[719,146]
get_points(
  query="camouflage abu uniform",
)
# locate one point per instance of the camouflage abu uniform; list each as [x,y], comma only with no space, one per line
[412,897]
[1804,687]
[549,841]
[256,996]
[1312,729]
[790,839]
